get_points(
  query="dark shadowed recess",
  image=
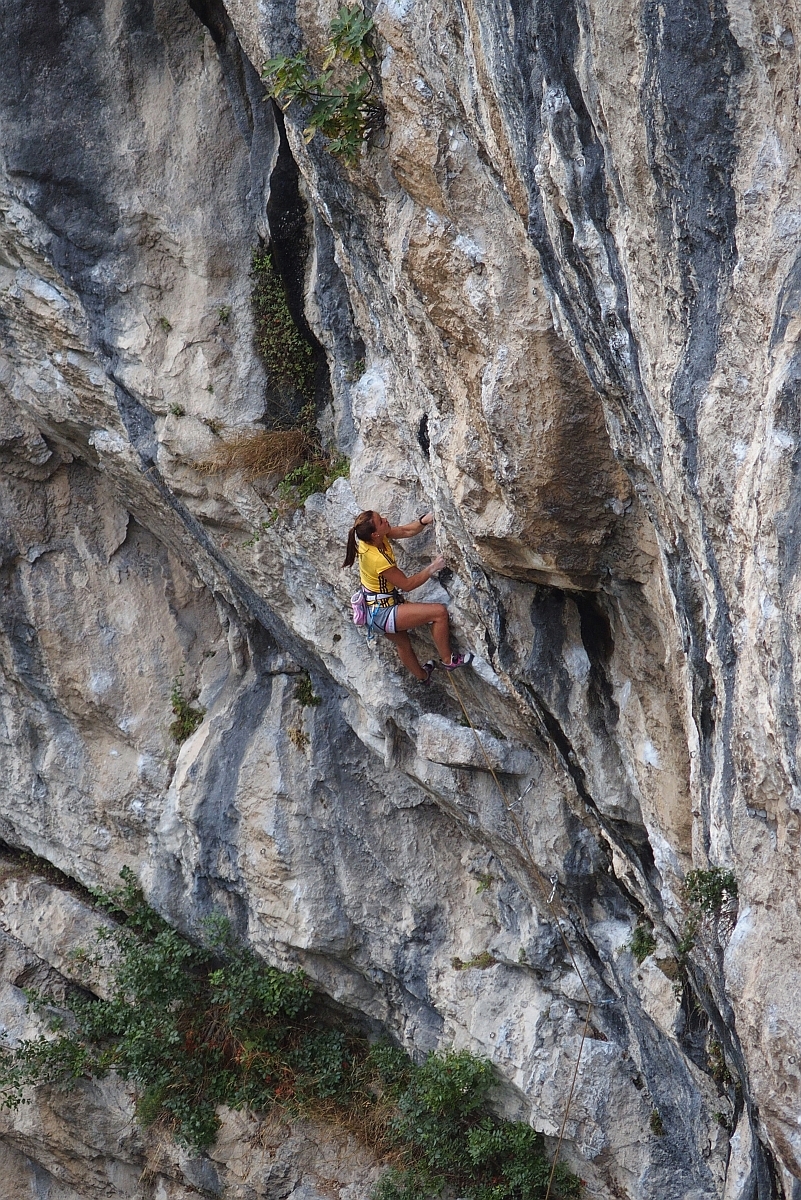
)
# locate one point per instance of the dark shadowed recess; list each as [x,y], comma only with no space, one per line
[290,227]
[548,687]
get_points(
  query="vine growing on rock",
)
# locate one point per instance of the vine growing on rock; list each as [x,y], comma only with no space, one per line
[193,1027]
[337,103]
[285,352]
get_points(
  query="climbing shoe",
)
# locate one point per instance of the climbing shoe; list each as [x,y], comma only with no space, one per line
[429,668]
[458,660]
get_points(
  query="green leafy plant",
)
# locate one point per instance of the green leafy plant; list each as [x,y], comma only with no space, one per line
[258,532]
[642,942]
[337,103]
[286,353]
[195,1026]
[479,962]
[354,372]
[450,1141]
[656,1123]
[314,475]
[304,692]
[716,1061]
[165,325]
[224,314]
[705,891]
[177,410]
[187,716]
[485,882]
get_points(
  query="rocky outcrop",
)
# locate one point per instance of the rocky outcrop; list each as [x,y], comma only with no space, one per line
[567,259]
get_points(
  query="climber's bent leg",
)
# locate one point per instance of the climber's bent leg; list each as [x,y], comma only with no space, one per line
[407,654]
[412,616]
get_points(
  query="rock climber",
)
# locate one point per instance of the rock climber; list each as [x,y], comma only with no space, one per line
[381,580]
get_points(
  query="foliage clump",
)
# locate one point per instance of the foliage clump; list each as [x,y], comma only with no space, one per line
[451,1141]
[315,475]
[706,892]
[642,943]
[187,715]
[197,1026]
[337,101]
[657,1124]
[265,452]
[287,355]
[479,962]
[716,1063]
[296,453]
[304,692]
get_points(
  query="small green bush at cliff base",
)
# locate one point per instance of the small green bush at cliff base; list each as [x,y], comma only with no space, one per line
[337,106]
[452,1142]
[196,1026]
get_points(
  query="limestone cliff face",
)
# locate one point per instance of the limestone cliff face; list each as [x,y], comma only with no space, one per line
[569,260]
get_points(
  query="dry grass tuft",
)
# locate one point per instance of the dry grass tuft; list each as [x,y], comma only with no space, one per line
[264,453]
[365,1118]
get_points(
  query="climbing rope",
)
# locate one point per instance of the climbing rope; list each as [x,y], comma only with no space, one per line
[549,900]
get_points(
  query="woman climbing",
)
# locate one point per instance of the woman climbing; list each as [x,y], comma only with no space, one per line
[381,580]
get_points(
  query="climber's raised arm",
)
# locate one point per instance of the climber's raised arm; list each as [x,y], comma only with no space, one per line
[407,583]
[413,528]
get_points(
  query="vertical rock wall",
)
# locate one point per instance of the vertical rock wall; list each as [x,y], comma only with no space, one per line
[568,260]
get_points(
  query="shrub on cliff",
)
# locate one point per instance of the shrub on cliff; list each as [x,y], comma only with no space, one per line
[336,102]
[197,1026]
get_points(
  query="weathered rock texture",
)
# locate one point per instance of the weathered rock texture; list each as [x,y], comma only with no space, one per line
[569,258]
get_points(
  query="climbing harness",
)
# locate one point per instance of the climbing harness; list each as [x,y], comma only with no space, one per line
[365,604]
[541,882]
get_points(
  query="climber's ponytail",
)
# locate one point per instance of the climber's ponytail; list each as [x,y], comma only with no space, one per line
[362,529]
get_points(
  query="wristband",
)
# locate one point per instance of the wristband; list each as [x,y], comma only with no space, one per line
[421,521]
